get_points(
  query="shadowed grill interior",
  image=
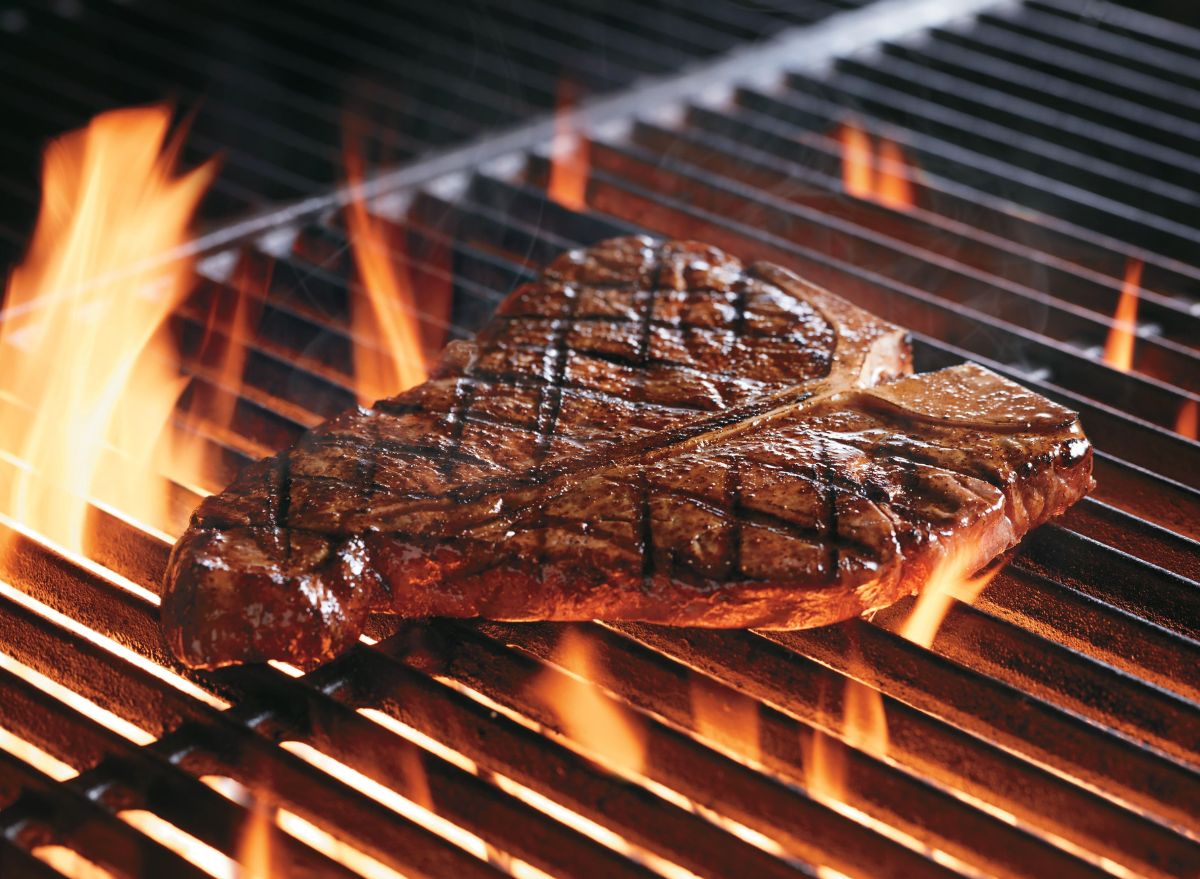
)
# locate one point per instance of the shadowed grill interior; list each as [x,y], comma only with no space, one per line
[1053,728]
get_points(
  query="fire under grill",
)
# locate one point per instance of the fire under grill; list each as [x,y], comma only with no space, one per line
[1046,154]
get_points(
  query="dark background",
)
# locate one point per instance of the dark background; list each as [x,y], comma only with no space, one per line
[273,87]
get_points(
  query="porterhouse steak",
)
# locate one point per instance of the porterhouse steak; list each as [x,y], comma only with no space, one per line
[612,345]
[744,498]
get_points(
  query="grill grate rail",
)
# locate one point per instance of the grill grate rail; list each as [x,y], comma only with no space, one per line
[1052,726]
[269,88]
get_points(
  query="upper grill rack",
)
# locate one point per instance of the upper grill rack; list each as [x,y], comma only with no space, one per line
[1051,729]
[269,89]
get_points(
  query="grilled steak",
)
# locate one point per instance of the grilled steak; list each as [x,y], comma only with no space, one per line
[611,347]
[780,516]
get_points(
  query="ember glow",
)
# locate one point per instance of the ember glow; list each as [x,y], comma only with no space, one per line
[70,863]
[1187,423]
[568,155]
[586,716]
[728,719]
[388,354]
[80,341]
[1118,350]
[875,172]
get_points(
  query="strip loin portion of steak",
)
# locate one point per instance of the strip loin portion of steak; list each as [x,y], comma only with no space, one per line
[612,345]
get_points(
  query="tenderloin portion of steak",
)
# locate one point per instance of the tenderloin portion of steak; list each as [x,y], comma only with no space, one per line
[612,344]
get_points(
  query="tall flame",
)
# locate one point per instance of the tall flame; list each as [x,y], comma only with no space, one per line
[388,355]
[882,174]
[589,718]
[568,154]
[79,341]
[255,847]
[1118,350]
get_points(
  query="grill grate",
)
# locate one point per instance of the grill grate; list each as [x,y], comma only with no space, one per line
[270,88]
[1052,728]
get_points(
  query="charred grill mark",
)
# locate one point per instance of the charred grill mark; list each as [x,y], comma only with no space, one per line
[646,528]
[549,403]
[368,463]
[831,514]
[464,395]
[399,408]
[280,490]
[734,480]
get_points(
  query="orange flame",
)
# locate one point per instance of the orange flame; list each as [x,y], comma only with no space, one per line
[194,461]
[387,349]
[951,580]
[857,171]
[255,847]
[588,718]
[893,188]
[883,175]
[1118,350]
[568,155]
[864,726]
[79,343]
[1187,423]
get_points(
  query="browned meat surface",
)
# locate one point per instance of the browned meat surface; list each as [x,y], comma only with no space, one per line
[796,515]
[611,345]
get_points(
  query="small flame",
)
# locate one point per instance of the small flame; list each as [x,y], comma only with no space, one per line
[882,174]
[864,726]
[1118,351]
[864,721]
[893,188]
[857,171]
[951,580]
[388,354]
[1188,421]
[588,718]
[568,154]
[255,847]
[80,342]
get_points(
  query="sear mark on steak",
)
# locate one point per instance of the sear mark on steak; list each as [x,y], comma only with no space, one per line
[614,351]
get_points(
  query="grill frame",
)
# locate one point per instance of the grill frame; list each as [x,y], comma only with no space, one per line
[1084,770]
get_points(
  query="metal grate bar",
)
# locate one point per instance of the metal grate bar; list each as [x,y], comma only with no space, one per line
[757,157]
[999,299]
[905,305]
[779,121]
[1130,486]
[1120,103]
